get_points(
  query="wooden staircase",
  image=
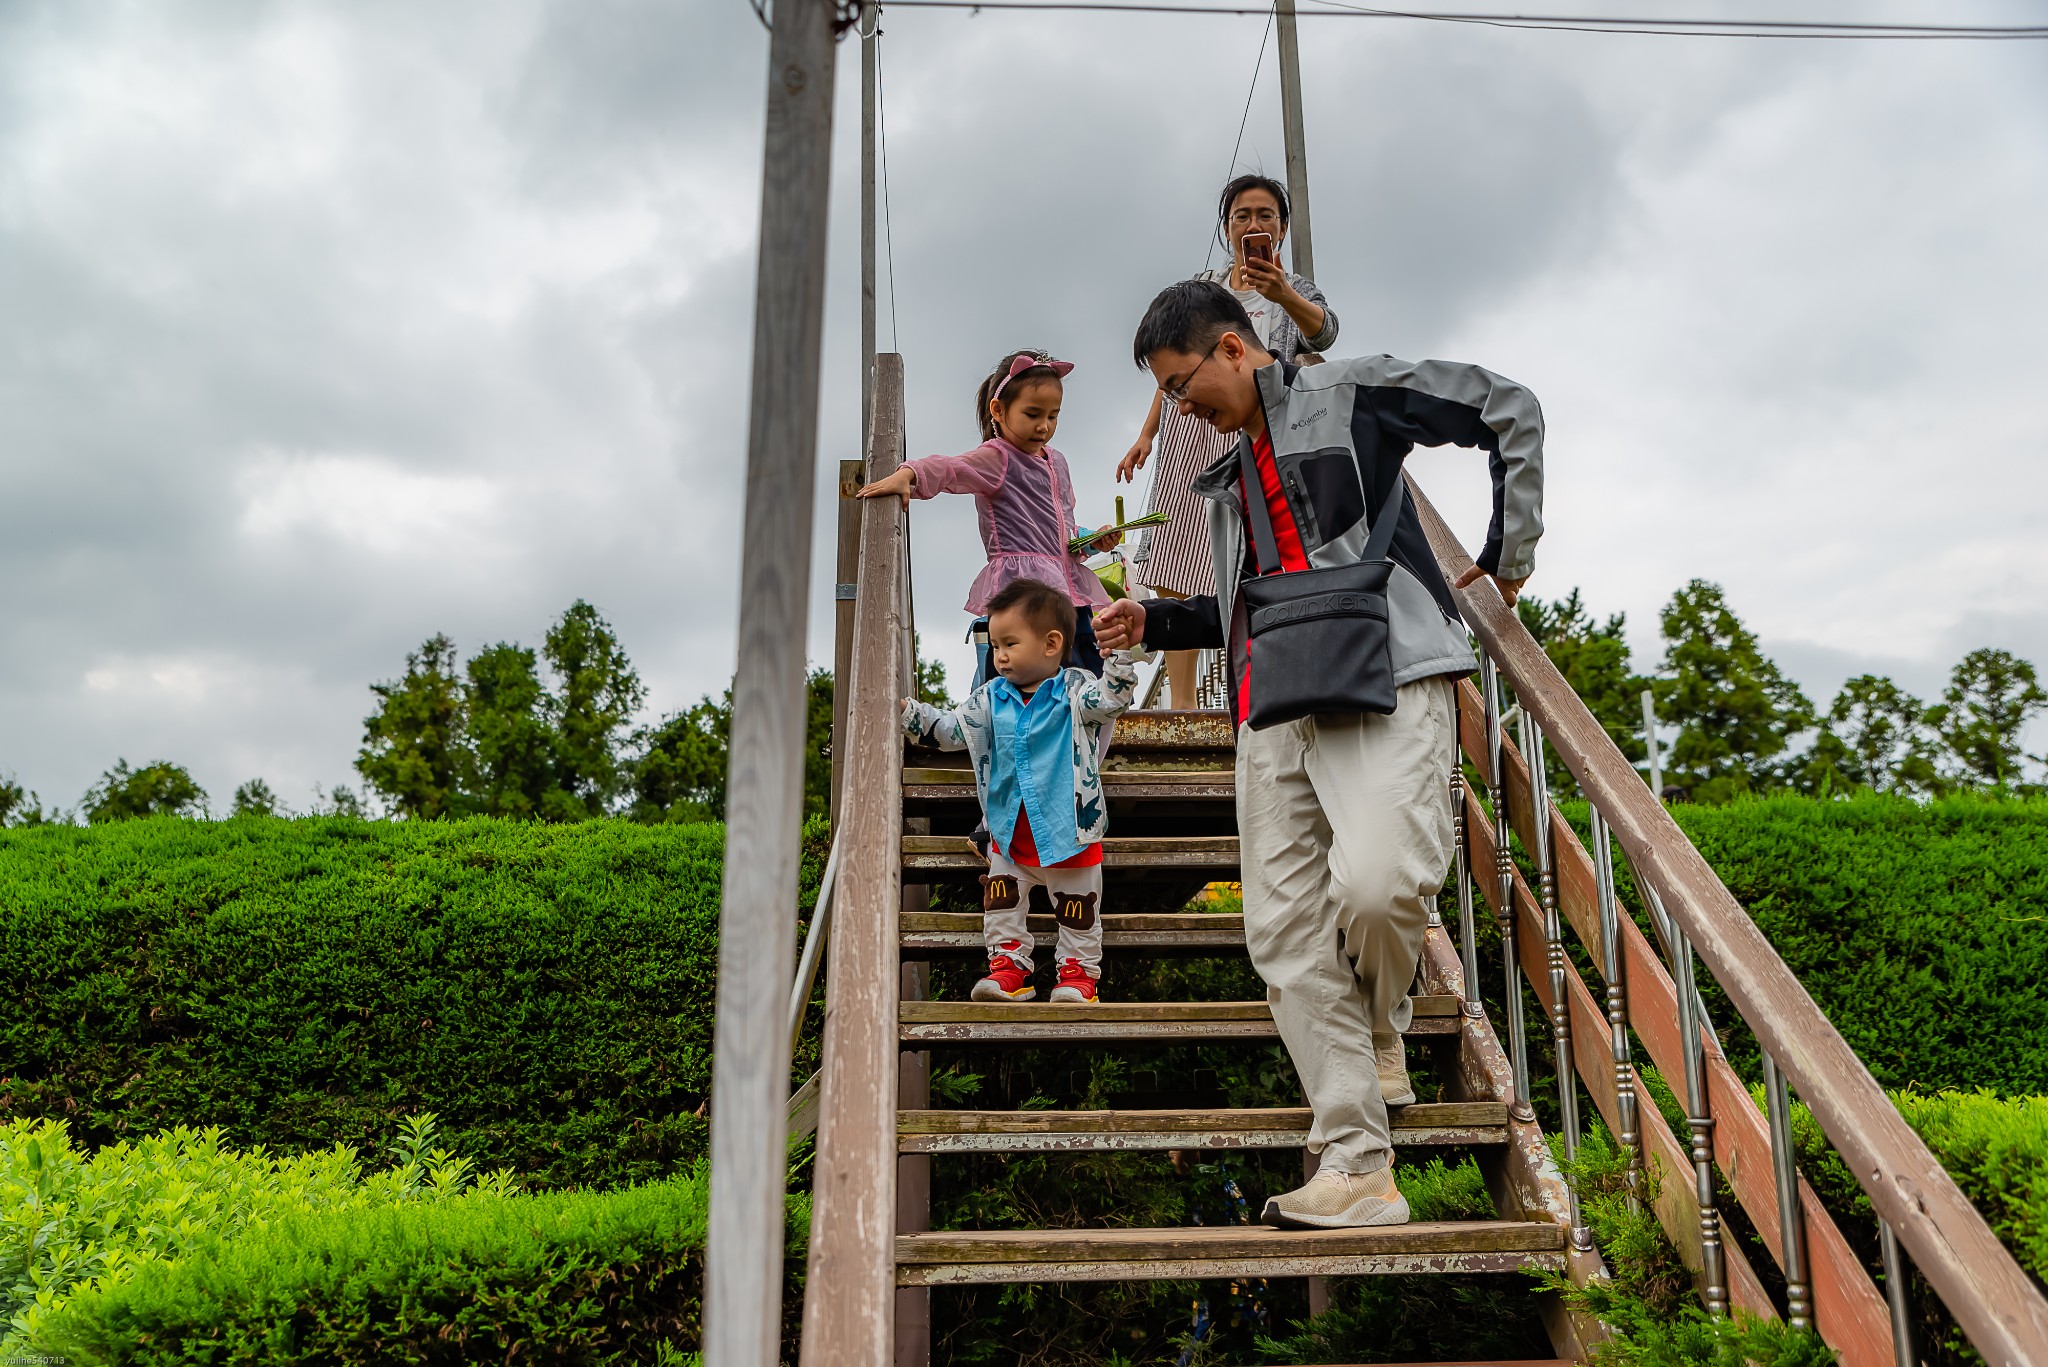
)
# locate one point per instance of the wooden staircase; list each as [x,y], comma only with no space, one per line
[903,829]
[1172,816]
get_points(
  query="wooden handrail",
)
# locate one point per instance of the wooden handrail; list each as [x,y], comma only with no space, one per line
[850,1297]
[1992,1298]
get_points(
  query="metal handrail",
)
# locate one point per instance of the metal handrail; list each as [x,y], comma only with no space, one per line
[1993,1300]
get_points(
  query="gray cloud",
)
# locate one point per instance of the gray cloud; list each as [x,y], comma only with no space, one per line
[323,327]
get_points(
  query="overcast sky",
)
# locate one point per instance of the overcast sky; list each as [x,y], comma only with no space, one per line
[326,327]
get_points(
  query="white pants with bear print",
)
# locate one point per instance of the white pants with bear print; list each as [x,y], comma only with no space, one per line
[1072,897]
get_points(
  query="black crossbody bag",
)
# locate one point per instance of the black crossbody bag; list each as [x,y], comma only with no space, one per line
[1320,637]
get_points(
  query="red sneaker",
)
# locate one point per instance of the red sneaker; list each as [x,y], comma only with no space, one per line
[1006,982]
[1075,985]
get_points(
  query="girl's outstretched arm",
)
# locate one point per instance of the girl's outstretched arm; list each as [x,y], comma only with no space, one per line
[980,471]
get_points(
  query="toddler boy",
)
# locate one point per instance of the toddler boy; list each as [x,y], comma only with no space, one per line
[1034,735]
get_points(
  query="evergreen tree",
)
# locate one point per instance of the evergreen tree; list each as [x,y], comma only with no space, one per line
[1594,659]
[1991,696]
[510,744]
[597,692]
[158,789]
[1875,736]
[1736,711]
[680,773]
[255,798]
[413,744]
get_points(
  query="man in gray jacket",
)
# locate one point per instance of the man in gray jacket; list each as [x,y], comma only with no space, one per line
[1344,820]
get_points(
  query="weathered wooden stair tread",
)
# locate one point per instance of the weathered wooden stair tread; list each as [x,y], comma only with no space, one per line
[1063,1255]
[937,932]
[1207,853]
[1427,1123]
[1105,1022]
[1209,785]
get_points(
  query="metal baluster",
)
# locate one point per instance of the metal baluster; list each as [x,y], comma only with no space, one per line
[1468,943]
[1504,897]
[1560,967]
[1617,1010]
[1713,1270]
[1791,1215]
[1895,1292]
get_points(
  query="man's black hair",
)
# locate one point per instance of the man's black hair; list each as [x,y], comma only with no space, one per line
[1228,199]
[1044,606]
[1192,316]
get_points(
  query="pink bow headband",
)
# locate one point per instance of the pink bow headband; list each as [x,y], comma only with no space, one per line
[1027,361]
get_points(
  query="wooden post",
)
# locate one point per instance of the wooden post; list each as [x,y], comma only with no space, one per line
[1297,144]
[850,1295]
[852,474]
[764,797]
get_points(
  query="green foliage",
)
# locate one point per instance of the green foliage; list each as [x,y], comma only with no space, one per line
[561,1277]
[1736,711]
[255,798]
[494,739]
[1648,1303]
[546,989]
[20,807]
[1594,659]
[1917,926]
[158,789]
[1875,736]
[1991,696]
[413,748]
[69,1220]
[680,775]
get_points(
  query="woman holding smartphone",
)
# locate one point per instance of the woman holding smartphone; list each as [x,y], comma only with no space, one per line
[1293,322]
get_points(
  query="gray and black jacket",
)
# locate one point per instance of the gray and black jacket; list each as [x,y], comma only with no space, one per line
[1340,433]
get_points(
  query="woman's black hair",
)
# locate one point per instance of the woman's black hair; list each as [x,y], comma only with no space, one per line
[995,377]
[1238,187]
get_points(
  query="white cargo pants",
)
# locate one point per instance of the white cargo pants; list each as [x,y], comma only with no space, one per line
[1073,898]
[1344,828]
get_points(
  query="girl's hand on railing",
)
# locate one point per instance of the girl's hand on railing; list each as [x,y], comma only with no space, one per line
[902,483]
[1510,589]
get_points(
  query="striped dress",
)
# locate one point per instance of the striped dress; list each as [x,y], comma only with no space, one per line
[1175,556]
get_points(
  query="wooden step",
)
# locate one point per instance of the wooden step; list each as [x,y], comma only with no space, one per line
[1453,1123]
[1212,856]
[929,933]
[1163,729]
[1199,1252]
[1045,1022]
[1186,785]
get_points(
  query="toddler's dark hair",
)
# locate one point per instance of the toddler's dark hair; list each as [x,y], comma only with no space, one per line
[1191,316]
[995,377]
[1044,606]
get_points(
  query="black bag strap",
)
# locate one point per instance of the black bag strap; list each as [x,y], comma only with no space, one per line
[1377,543]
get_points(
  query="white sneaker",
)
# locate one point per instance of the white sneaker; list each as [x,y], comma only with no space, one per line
[1392,1061]
[1341,1200]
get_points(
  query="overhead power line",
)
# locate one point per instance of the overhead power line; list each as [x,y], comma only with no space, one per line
[1554,23]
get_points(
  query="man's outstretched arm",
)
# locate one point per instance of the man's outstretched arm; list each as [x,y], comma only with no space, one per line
[1160,624]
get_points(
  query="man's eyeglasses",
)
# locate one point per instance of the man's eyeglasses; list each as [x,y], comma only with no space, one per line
[1179,392]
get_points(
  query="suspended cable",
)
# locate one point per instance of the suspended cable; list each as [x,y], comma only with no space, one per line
[888,219]
[1542,23]
[1231,170]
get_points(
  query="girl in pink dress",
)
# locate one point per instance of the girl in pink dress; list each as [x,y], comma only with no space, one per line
[1022,492]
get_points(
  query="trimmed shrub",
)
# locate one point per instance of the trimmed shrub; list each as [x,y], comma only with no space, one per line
[547,990]
[582,1277]
[1920,928]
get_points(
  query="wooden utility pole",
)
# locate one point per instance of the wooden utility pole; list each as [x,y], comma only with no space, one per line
[764,796]
[1297,142]
[853,473]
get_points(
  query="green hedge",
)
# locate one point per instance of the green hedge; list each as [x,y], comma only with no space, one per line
[547,990]
[582,1277]
[1920,928]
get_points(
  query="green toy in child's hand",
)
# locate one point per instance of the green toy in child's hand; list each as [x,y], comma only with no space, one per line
[1088,535]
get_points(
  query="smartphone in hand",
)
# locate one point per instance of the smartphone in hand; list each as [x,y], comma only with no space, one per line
[1258,246]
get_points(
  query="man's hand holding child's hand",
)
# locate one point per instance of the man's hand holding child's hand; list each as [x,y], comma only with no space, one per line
[1121,625]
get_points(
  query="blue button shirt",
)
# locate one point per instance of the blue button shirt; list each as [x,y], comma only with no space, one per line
[1032,766]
